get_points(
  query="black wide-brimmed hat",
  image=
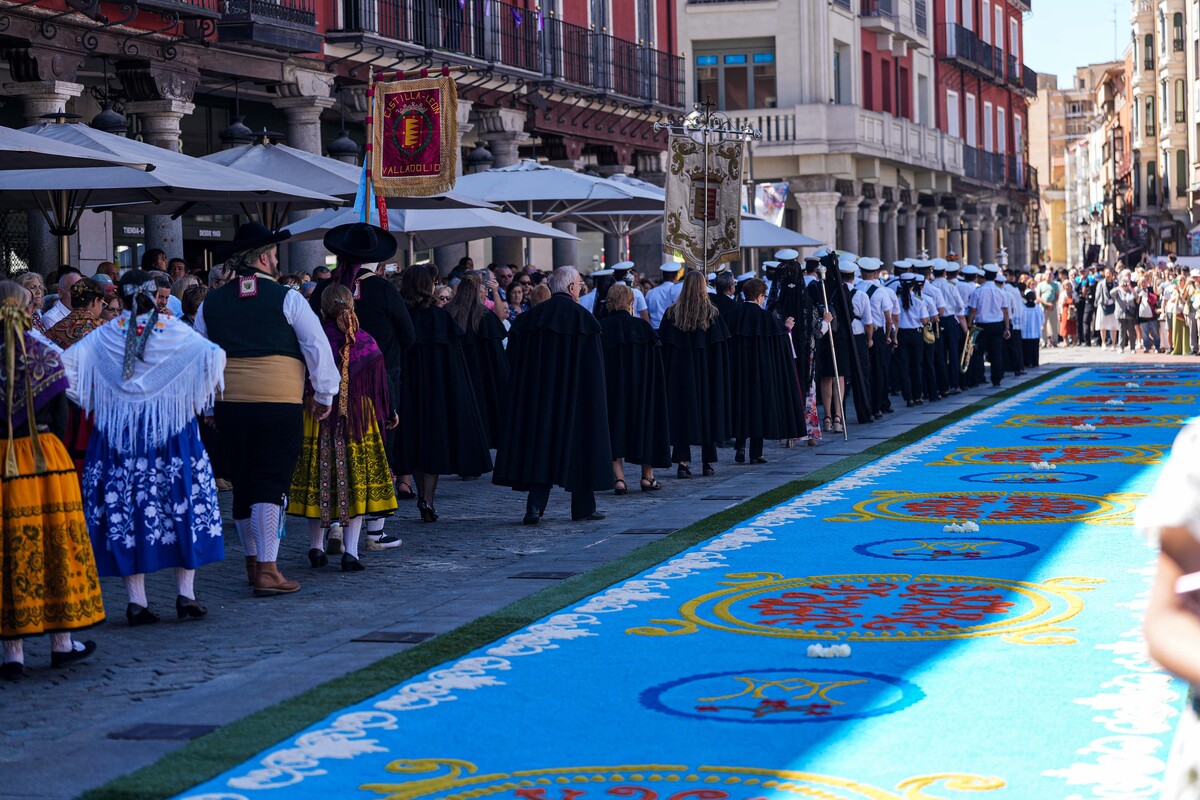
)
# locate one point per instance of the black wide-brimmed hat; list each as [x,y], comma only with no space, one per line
[360,243]
[250,236]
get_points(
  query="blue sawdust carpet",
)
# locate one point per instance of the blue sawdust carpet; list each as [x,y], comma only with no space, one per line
[1001,658]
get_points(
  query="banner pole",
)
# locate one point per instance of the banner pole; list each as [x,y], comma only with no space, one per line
[370,121]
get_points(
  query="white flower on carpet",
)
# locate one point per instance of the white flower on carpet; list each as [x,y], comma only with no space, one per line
[966,526]
[1087,426]
[829,651]
[1132,385]
[1043,466]
[1114,402]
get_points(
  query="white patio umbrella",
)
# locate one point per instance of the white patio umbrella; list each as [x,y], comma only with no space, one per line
[321,174]
[423,229]
[20,150]
[758,232]
[61,196]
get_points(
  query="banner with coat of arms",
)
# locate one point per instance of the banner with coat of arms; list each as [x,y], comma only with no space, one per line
[701,192]
[414,149]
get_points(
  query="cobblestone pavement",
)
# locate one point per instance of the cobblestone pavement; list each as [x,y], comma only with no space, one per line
[251,653]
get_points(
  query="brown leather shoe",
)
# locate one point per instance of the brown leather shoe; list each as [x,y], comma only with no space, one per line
[271,582]
[251,568]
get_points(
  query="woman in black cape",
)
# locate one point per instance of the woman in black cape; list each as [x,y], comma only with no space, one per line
[788,299]
[696,359]
[443,427]
[637,391]
[766,393]
[483,351]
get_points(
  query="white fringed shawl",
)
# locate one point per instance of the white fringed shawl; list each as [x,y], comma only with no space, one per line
[180,376]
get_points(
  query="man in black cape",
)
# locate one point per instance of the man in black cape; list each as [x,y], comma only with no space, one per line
[724,298]
[766,393]
[789,298]
[840,295]
[561,436]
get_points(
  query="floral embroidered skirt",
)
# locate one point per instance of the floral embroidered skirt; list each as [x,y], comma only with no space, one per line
[48,580]
[152,508]
[338,477]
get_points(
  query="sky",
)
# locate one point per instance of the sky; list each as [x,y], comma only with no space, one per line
[1061,35]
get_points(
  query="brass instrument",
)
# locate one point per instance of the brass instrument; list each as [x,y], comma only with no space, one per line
[969,348]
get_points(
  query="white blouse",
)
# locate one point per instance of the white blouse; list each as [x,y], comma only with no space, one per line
[1175,500]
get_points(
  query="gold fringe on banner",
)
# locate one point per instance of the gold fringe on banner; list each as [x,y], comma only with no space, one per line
[403,128]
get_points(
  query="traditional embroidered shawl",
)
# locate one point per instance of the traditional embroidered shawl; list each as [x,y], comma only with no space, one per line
[73,327]
[46,378]
[367,377]
[178,378]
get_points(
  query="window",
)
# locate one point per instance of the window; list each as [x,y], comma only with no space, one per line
[923,101]
[968,9]
[1149,116]
[1180,101]
[1001,133]
[1019,140]
[1162,32]
[737,80]
[1134,120]
[1151,184]
[1014,37]
[988,129]
[972,121]
[885,79]
[952,11]
[868,83]
[985,21]
[1181,166]
[952,114]
[999,10]
[1148,51]
[1177,32]
[903,93]
[842,90]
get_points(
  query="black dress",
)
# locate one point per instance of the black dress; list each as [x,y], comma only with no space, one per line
[637,391]
[556,379]
[443,428]
[483,351]
[698,376]
[766,393]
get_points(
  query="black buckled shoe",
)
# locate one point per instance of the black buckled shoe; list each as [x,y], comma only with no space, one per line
[79,651]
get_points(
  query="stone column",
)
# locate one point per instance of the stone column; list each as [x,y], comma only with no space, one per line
[870,244]
[564,252]
[818,215]
[38,98]
[887,247]
[931,233]
[954,238]
[987,234]
[504,131]
[614,246]
[304,133]
[448,257]
[160,127]
[908,246]
[973,251]
[850,223]
[1021,240]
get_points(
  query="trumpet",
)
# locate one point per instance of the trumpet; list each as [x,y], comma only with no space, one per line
[969,348]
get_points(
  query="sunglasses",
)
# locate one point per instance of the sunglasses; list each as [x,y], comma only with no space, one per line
[525,283]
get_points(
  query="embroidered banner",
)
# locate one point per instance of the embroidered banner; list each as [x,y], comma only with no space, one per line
[415,137]
[703,197]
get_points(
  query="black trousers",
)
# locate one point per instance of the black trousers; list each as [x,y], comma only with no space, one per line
[928,370]
[863,400]
[908,363]
[975,370]
[260,444]
[392,437]
[992,341]
[939,359]
[756,447]
[1013,359]
[1087,323]
[881,359]
[952,335]
[683,454]
[1029,352]
[583,504]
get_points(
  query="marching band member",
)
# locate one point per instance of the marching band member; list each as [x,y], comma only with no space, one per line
[988,308]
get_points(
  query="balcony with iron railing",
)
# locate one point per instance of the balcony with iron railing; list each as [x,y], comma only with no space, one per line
[504,35]
[968,51]
[287,25]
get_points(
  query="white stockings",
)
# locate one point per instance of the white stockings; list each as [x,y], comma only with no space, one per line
[264,522]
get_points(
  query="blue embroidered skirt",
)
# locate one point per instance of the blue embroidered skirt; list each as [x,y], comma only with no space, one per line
[152,509]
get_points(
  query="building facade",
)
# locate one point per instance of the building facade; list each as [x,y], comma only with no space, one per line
[577,83]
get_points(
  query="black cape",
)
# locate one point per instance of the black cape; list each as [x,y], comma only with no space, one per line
[442,427]
[790,298]
[766,394]
[483,351]
[726,306]
[556,374]
[698,375]
[637,391]
[849,362]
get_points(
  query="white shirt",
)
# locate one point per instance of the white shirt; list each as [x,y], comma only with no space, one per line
[910,318]
[314,345]
[660,298]
[1032,320]
[965,290]
[883,301]
[933,295]
[861,305]
[55,315]
[1015,303]
[588,301]
[950,296]
[988,302]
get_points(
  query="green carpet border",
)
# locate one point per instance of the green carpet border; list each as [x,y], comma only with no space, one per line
[232,744]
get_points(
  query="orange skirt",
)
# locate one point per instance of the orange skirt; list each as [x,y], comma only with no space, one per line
[48,580]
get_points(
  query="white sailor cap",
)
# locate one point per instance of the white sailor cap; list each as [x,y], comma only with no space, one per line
[601,273]
[623,266]
[710,277]
[787,254]
[867,264]
[769,264]
[908,276]
[939,264]
[851,257]
[1001,279]
[967,270]
[1195,273]
[821,252]
[745,276]
[920,278]
[847,267]
[951,266]
[901,265]
[991,269]
[672,266]
[920,264]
